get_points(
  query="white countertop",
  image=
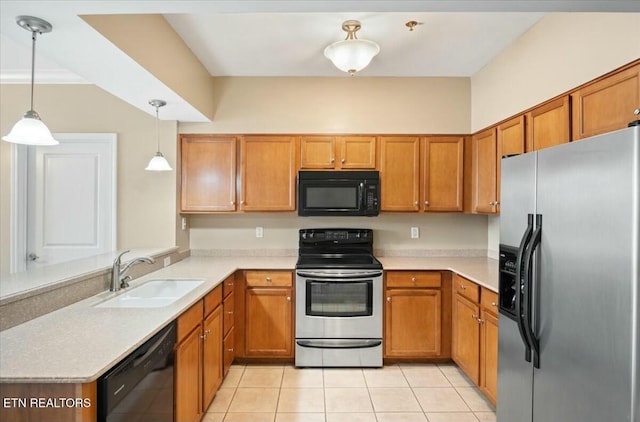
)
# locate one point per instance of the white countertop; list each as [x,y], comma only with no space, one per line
[78,343]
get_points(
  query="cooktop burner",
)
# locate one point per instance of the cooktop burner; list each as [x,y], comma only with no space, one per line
[336,248]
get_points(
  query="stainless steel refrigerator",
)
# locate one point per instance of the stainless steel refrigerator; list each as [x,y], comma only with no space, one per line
[569,293]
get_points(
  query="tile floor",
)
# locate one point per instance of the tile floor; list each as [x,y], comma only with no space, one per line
[395,393]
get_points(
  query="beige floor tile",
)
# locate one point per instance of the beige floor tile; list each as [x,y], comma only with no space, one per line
[300,417]
[456,377]
[351,417]
[232,379]
[339,377]
[440,400]
[249,417]
[298,400]
[222,400]
[343,400]
[302,378]
[451,417]
[425,376]
[401,417]
[388,376]
[475,399]
[394,399]
[255,400]
[213,417]
[486,416]
[261,377]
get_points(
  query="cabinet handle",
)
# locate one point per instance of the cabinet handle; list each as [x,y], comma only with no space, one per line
[480,321]
[268,279]
[413,279]
[388,299]
[207,332]
[415,203]
[203,337]
[426,202]
[636,111]
[241,202]
[230,312]
[288,298]
[463,287]
[230,350]
[333,160]
[474,316]
[491,203]
[494,304]
[343,161]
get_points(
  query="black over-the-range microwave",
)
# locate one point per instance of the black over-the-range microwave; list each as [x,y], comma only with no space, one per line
[338,193]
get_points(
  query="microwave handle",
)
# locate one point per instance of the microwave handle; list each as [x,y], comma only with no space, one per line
[361,199]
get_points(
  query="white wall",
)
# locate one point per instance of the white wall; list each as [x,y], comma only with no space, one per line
[146,200]
[559,53]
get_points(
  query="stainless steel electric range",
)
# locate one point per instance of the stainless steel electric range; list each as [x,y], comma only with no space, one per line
[339,299]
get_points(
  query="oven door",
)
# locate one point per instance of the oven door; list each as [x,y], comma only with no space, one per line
[336,304]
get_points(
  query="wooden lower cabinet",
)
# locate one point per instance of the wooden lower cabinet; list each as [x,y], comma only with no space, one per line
[489,344]
[466,336]
[268,314]
[198,366]
[416,315]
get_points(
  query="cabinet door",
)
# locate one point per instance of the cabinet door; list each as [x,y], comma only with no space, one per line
[268,167]
[607,104]
[356,152]
[413,323]
[211,356]
[228,309]
[207,173]
[466,336]
[510,141]
[442,180]
[548,125]
[317,152]
[268,322]
[228,351]
[399,172]
[187,378]
[483,170]
[489,355]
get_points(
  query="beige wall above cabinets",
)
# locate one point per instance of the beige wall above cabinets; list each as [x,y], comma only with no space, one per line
[562,51]
[146,210]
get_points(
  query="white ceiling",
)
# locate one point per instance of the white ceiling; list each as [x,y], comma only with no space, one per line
[271,38]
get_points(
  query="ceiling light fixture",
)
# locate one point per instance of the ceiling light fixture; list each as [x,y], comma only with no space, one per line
[351,55]
[158,162]
[30,130]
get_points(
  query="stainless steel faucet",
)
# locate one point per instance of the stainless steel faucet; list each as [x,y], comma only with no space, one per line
[119,277]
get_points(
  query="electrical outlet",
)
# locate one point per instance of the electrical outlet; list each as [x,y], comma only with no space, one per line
[259,231]
[184,223]
[167,261]
[415,232]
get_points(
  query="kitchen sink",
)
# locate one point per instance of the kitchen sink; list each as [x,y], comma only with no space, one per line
[152,294]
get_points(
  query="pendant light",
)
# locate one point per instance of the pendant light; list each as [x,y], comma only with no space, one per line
[351,55]
[158,162]
[30,130]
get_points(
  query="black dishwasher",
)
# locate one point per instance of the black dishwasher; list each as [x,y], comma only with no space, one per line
[140,387]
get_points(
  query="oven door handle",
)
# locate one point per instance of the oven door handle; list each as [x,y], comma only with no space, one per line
[339,343]
[335,275]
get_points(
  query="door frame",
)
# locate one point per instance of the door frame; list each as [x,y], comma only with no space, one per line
[19,194]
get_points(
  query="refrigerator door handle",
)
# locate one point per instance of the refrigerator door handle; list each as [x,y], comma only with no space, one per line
[528,274]
[526,237]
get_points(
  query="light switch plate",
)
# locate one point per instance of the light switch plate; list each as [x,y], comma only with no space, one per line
[259,231]
[415,232]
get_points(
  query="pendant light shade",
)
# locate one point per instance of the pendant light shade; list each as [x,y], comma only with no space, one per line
[30,130]
[351,55]
[158,162]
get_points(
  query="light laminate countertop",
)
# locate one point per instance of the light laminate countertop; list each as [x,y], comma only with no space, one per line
[79,343]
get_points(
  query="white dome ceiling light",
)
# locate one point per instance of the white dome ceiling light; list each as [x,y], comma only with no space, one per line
[351,55]
[158,162]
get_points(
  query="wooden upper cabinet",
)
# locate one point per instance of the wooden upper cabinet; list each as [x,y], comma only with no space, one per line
[483,168]
[442,169]
[511,139]
[548,125]
[399,164]
[338,152]
[268,173]
[208,173]
[317,152]
[357,152]
[607,104]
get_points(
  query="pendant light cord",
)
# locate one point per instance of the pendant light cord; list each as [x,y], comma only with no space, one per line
[33,63]
[157,131]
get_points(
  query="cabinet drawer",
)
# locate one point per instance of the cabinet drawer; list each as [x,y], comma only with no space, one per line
[212,300]
[189,320]
[229,312]
[227,285]
[268,278]
[466,288]
[414,279]
[489,300]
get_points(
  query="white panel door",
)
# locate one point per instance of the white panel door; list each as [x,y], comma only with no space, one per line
[71,199]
